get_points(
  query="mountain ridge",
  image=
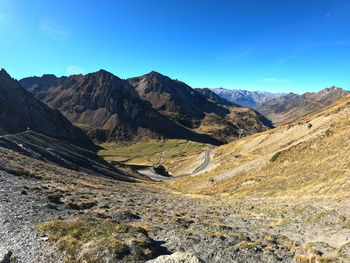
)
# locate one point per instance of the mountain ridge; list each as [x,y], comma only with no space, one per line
[188,107]
[245,98]
[216,98]
[290,107]
[20,111]
[109,108]
[149,106]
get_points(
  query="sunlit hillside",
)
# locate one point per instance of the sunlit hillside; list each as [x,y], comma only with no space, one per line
[307,159]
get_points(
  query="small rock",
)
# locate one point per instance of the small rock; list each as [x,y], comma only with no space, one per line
[82,205]
[125,216]
[5,256]
[55,198]
[51,206]
[177,257]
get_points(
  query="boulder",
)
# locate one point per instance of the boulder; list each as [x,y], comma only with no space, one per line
[160,169]
[5,255]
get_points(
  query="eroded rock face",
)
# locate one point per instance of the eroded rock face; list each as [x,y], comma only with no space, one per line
[177,257]
[20,111]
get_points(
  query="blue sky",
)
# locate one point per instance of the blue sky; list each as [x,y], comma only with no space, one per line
[272,45]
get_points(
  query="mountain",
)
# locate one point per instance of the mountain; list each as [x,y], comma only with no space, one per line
[150,106]
[20,110]
[191,109]
[306,159]
[290,107]
[39,85]
[175,99]
[208,93]
[246,98]
[107,107]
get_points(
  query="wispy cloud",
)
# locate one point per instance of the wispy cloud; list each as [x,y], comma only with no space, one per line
[53,29]
[233,54]
[74,70]
[275,80]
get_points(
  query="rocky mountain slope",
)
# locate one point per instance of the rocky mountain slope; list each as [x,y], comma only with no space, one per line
[50,214]
[150,106]
[65,155]
[246,98]
[20,110]
[107,107]
[306,162]
[290,107]
[175,99]
[193,110]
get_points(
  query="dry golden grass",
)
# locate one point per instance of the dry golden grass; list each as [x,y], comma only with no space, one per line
[294,161]
[90,239]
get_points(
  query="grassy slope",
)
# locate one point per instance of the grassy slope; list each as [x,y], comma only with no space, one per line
[176,153]
[314,162]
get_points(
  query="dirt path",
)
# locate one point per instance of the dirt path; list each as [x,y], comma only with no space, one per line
[149,172]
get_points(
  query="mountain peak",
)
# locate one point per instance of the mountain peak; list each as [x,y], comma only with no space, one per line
[333,88]
[102,72]
[154,74]
[4,74]
[49,76]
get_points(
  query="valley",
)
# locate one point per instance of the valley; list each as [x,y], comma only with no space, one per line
[158,180]
[174,131]
[178,156]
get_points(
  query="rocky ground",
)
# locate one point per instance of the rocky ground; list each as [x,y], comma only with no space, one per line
[153,222]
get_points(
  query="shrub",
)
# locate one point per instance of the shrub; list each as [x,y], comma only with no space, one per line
[275,157]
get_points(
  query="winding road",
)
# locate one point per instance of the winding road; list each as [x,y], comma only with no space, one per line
[150,173]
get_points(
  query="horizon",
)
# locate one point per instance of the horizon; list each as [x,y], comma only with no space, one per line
[272,46]
[213,88]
